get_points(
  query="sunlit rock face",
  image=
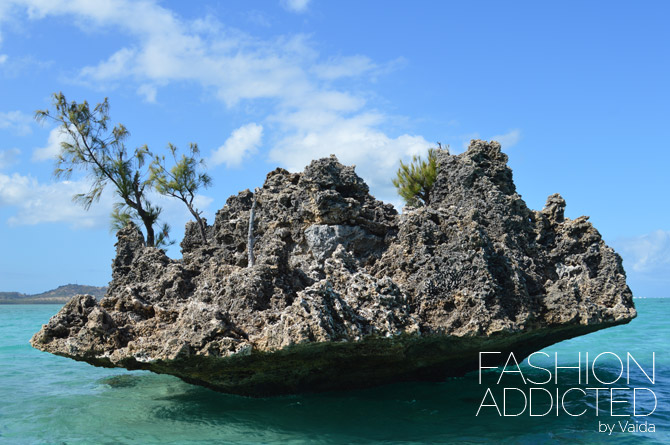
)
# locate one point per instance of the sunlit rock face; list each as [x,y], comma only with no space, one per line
[347,293]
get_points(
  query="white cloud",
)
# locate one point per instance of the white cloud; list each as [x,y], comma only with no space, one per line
[16,121]
[148,91]
[3,58]
[648,253]
[4,15]
[354,140]
[38,203]
[116,66]
[508,139]
[295,5]
[314,119]
[9,157]
[235,66]
[53,147]
[51,203]
[242,142]
[336,68]
[258,18]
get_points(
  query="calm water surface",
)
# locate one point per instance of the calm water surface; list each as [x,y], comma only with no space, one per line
[54,400]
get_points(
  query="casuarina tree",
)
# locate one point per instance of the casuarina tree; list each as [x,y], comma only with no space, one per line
[99,150]
[415,180]
[182,180]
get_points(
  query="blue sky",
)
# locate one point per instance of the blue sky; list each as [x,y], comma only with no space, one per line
[577,93]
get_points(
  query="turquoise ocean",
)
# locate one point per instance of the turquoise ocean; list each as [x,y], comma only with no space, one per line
[46,399]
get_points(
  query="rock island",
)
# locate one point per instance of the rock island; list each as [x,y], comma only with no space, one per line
[345,292]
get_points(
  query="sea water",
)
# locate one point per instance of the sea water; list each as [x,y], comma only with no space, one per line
[54,400]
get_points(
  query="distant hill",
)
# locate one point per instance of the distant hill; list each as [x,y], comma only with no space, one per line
[61,294]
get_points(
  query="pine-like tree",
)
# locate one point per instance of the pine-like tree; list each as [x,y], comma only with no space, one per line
[182,180]
[100,151]
[415,180]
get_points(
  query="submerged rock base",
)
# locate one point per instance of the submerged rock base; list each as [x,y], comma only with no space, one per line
[346,293]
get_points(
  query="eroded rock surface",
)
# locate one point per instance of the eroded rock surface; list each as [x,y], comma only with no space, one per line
[347,293]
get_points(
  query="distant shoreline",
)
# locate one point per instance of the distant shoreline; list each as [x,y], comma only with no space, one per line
[60,295]
[31,301]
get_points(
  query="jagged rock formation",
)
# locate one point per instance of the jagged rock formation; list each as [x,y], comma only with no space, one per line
[347,293]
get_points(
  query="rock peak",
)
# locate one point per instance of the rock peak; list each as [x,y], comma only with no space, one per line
[482,167]
[130,244]
[555,208]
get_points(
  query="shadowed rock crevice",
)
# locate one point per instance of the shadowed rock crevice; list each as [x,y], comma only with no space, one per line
[347,293]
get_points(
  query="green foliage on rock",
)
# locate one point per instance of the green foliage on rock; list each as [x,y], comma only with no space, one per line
[415,180]
[94,147]
[182,180]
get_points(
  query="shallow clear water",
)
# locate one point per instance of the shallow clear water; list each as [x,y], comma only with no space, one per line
[49,399]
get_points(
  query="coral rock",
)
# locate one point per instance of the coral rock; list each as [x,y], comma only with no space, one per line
[347,293]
